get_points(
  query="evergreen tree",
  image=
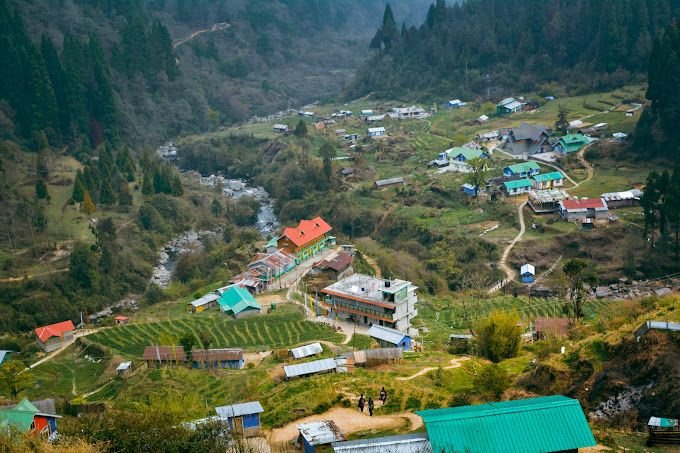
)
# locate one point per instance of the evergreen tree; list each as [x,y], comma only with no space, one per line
[88,205]
[327,153]
[78,188]
[41,190]
[301,129]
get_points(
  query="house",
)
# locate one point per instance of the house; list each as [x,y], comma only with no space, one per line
[318,433]
[164,355]
[217,358]
[239,302]
[366,112]
[375,118]
[272,265]
[523,170]
[340,132]
[456,104]
[242,418]
[310,368]
[38,417]
[121,320]
[508,106]
[663,431]
[551,327]
[350,137]
[517,187]
[527,273]
[487,136]
[55,336]
[548,180]
[203,303]
[482,119]
[473,145]
[250,279]
[5,355]
[584,208]
[464,154]
[375,132]
[307,239]
[545,424]
[389,338]
[543,201]
[405,443]
[281,128]
[371,300]
[570,143]
[413,111]
[390,182]
[124,368]
[306,351]
[346,171]
[306,113]
[528,139]
[457,158]
[470,190]
[335,268]
[622,199]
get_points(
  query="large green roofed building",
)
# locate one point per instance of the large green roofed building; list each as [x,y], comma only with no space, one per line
[238,301]
[546,424]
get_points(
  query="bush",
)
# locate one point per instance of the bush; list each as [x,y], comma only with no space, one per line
[492,381]
[499,336]
[413,403]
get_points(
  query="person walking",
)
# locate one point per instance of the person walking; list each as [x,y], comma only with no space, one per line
[383,395]
[370,406]
[362,402]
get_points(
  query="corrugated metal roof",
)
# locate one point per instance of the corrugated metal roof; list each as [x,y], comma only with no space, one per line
[317,366]
[407,443]
[205,300]
[123,366]
[552,176]
[375,129]
[662,422]
[320,433]
[163,353]
[236,410]
[307,350]
[552,423]
[213,355]
[387,182]
[4,354]
[386,334]
[517,184]
[523,167]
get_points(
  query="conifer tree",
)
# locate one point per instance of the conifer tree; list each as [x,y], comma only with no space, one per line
[88,205]
[41,190]
[78,188]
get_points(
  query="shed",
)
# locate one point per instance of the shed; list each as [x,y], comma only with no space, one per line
[5,355]
[313,434]
[164,355]
[243,418]
[469,189]
[545,424]
[55,336]
[388,337]
[366,112]
[375,131]
[663,431]
[374,357]
[524,169]
[306,351]
[405,443]
[588,208]
[622,199]
[516,187]
[120,320]
[203,303]
[282,128]
[551,327]
[310,368]
[527,273]
[391,182]
[123,368]
[218,358]
[238,302]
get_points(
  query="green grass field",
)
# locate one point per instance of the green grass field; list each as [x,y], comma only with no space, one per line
[282,328]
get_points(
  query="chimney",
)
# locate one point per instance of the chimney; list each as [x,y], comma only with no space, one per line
[387,283]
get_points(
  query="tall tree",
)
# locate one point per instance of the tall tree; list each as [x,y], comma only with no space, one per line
[327,153]
[14,378]
[579,273]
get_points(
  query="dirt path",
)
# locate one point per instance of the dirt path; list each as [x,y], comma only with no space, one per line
[509,272]
[374,264]
[455,363]
[51,355]
[350,421]
[215,27]
[589,167]
[31,276]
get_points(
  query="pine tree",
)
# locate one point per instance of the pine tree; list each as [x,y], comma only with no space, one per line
[88,205]
[301,129]
[147,184]
[78,188]
[41,190]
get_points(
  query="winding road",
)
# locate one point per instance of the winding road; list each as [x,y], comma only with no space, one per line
[455,363]
[216,27]
[509,272]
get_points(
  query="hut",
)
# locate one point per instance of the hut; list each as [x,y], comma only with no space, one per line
[121,320]
[55,336]
[243,418]
[663,431]
[390,182]
[310,368]
[388,338]
[528,273]
[306,351]
[203,303]
[318,433]
[164,355]
[124,368]
[405,443]
[239,303]
[218,358]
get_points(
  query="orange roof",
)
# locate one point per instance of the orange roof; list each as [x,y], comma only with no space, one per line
[121,318]
[307,231]
[54,330]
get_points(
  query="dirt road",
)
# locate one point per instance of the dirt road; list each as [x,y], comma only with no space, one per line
[455,363]
[215,27]
[509,272]
[350,421]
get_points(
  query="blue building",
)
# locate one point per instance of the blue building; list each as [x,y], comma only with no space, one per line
[313,434]
[243,418]
[470,190]
[218,358]
[524,170]
[527,273]
[389,338]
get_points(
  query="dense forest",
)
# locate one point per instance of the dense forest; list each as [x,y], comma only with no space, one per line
[490,47]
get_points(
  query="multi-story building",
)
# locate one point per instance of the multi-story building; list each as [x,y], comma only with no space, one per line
[307,239]
[370,300]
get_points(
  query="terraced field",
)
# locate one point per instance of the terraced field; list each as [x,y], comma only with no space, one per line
[285,327]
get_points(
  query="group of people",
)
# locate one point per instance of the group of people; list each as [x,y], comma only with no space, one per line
[362,401]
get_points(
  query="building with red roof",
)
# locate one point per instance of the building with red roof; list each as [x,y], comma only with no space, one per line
[583,208]
[307,239]
[55,336]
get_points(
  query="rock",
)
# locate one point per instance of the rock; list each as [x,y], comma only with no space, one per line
[602,291]
[663,292]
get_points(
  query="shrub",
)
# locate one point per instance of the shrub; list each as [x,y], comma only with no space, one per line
[492,381]
[499,336]
[413,403]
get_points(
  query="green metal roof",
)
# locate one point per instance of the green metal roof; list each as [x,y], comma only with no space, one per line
[552,176]
[524,167]
[517,184]
[273,242]
[573,142]
[236,299]
[20,416]
[545,424]
[467,153]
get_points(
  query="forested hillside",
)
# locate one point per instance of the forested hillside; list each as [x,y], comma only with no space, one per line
[490,47]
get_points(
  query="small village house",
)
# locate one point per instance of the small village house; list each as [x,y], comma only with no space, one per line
[239,303]
[203,303]
[121,320]
[124,368]
[517,187]
[584,208]
[528,139]
[375,132]
[242,418]
[306,351]
[366,112]
[527,273]
[318,433]
[346,171]
[375,118]
[373,301]
[470,190]
[307,239]
[281,128]
[551,328]
[548,180]
[571,143]
[5,355]
[403,443]
[482,119]
[39,417]
[218,358]
[458,158]
[389,338]
[310,368]
[373,357]
[523,170]
[350,137]
[622,199]
[487,136]
[508,106]
[335,268]
[456,104]
[663,431]
[404,113]
[157,356]
[250,279]
[390,182]
[544,424]
[55,336]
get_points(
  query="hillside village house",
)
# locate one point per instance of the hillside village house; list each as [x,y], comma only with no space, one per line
[584,208]
[317,433]
[571,143]
[203,303]
[488,136]
[374,132]
[371,300]
[456,104]
[306,351]
[457,158]
[272,265]
[55,336]
[121,320]
[157,356]
[366,112]
[307,239]
[281,128]
[524,170]
[508,106]
[527,273]
[528,139]
[38,417]
[404,113]
[622,199]
[543,201]
[390,182]
[517,187]
[335,268]
[389,338]
[548,180]
[218,358]
[239,303]
[242,418]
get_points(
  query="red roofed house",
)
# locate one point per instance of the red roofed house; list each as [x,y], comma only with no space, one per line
[122,320]
[54,336]
[307,239]
[584,208]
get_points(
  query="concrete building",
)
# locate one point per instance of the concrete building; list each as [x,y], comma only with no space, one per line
[584,208]
[370,300]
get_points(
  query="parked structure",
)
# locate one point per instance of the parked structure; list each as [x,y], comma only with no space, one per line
[371,300]
[242,418]
[524,169]
[528,139]
[203,303]
[548,180]
[281,128]
[239,302]
[372,357]
[218,358]
[551,328]
[374,132]
[39,417]
[622,199]
[517,187]
[388,338]
[55,336]
[335,268]
[307,239]
[387,183]
[405,443]
[164,355]
[527,273]
[310,368]
[314,434]
[571,143]
[584,208]
[545,424]
[306,351]
[508,106]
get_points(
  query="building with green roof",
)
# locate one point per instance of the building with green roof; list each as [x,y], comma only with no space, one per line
[25,416]
[524,169]
[548,180]
[516,187]
[545,424]
[238,302]
[571,143]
